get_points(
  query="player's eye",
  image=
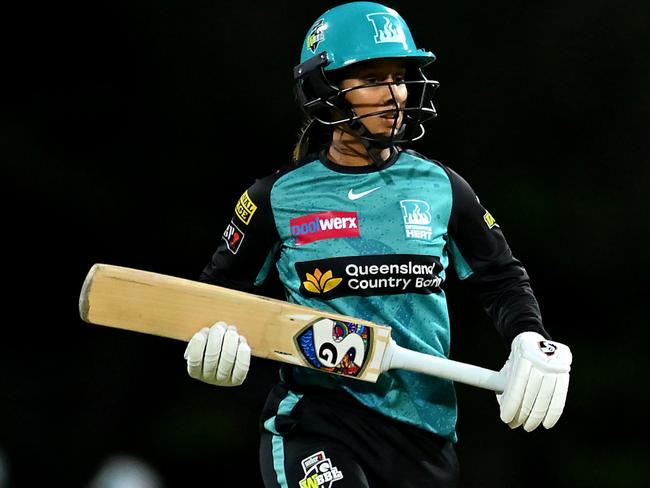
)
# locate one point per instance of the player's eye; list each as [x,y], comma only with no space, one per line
[398,79]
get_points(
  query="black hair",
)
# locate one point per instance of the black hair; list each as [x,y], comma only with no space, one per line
[313,137]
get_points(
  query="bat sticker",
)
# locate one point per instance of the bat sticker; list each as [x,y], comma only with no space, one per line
[335,346]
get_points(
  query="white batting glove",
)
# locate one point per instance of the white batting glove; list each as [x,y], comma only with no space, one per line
[538,379]
[218,355]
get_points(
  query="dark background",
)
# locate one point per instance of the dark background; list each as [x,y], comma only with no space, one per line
[129,129]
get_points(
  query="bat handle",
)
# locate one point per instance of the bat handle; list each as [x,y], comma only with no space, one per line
[399,357]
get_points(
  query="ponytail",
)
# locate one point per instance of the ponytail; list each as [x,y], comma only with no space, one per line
[312,138]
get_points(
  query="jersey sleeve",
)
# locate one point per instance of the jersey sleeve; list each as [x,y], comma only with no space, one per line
[482,257]
[246,252]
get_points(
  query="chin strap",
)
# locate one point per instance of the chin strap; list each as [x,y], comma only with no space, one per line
[374,144]
[374,152]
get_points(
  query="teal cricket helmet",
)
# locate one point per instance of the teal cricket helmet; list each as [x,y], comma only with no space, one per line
[353,33]
[359,31]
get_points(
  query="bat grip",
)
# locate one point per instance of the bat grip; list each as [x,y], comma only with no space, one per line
[402,358]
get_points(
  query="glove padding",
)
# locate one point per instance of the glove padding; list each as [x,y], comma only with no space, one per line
[218,355]
[537,373]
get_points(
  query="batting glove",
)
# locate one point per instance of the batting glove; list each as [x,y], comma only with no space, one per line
[537,373]
[218,355]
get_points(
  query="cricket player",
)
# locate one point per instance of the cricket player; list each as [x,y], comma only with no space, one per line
[362,226]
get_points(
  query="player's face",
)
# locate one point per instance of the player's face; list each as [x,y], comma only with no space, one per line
[376,98]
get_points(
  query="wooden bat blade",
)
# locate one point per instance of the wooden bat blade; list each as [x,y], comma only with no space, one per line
[176,308]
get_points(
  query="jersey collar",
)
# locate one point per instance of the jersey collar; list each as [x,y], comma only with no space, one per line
[371,168]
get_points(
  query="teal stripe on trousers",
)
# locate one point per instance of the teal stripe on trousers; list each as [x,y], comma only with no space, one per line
[277,441]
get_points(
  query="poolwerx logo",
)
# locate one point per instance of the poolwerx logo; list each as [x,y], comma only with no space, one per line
[324,225]
[370,275]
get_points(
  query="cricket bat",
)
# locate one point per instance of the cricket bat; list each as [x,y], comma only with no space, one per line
[176,308]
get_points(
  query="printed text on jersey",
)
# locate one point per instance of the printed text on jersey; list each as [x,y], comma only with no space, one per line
[370,275]
[324,225]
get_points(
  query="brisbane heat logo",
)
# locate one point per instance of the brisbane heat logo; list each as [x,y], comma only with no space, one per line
[324,225]
[417,219]
[335,346]
[387,28]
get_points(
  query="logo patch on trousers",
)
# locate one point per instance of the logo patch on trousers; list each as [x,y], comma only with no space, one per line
[319,471]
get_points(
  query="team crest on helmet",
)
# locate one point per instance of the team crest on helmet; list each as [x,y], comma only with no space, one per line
[316,35]
[387,27]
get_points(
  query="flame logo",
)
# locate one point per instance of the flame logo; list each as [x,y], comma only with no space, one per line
[321,282]
[391,29]
[389,32]
[417,217]
[416,212]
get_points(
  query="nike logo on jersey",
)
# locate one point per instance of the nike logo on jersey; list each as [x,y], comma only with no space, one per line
[356,196]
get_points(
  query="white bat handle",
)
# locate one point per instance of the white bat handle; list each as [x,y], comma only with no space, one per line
[399,357]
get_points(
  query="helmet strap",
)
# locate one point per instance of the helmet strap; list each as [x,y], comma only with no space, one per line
[373,144]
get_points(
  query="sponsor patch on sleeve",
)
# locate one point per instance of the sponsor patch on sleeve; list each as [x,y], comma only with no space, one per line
[245,208]
[489,220]
[233,236]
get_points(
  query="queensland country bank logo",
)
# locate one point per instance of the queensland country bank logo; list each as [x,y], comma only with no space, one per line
[324,225]
[319,283]
[369,275]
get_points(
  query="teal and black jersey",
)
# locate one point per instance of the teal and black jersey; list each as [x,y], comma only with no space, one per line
[377,243]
